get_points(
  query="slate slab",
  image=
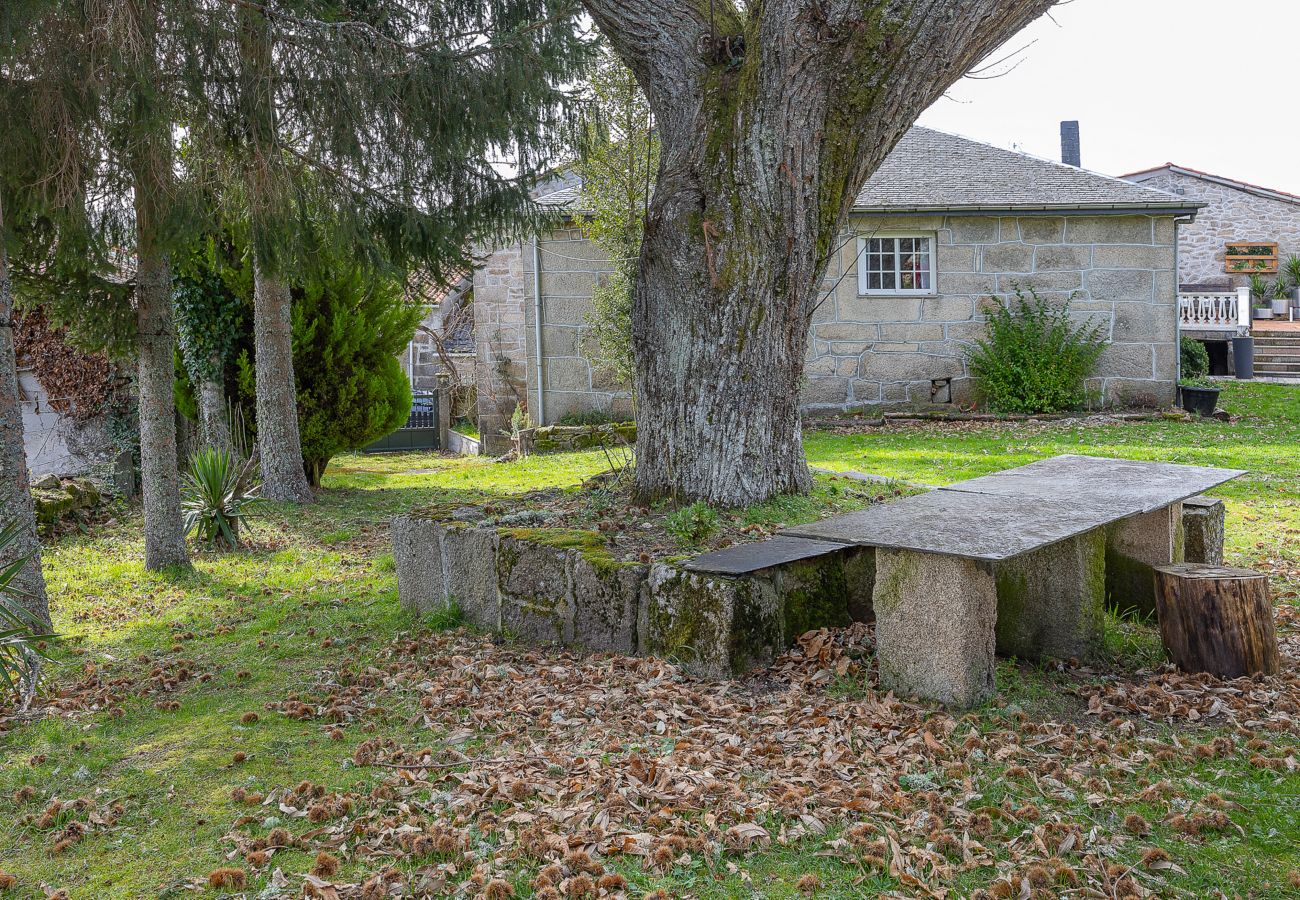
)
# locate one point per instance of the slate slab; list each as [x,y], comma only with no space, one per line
[1119,487]
[957,523]
[742,559]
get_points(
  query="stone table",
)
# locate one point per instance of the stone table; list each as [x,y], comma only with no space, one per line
[1144,499]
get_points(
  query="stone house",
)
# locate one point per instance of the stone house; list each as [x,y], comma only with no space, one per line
[1233,211]
[944,224]
[444,339]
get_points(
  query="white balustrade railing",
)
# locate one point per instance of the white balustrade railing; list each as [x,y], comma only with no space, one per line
[1215,311]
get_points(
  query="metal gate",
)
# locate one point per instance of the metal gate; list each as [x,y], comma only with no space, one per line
[420,431]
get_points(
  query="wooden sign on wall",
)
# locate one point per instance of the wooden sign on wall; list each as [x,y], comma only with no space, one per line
[1250,258]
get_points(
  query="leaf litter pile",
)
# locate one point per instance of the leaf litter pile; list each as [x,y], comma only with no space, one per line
[571,773]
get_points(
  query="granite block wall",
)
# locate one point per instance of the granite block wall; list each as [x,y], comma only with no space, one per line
[873,349]
[1232,215]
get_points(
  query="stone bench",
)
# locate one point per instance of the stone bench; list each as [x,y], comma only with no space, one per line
[1141,501]
[960,574]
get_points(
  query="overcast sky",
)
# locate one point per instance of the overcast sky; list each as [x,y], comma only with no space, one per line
[1207,84]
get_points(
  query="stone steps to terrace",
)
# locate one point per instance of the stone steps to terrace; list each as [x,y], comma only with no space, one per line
[1277,355]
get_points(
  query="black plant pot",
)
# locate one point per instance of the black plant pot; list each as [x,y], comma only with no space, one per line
[1202,401]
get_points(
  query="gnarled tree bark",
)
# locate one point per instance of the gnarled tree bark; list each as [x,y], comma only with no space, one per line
[15,491]
[771,118]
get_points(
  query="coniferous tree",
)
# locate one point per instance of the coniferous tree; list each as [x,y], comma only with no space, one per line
[42,168]
[390,116]
[349,324]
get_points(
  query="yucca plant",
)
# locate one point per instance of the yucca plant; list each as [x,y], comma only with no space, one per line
[21,633]
[219,492]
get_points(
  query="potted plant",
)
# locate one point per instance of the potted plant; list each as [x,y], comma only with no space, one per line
[1198,395]
[1293,277]
[1281,297]
[1261,293]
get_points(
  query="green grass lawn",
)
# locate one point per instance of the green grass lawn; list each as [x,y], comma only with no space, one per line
[311,606]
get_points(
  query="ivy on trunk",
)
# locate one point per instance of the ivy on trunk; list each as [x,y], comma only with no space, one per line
[770,118]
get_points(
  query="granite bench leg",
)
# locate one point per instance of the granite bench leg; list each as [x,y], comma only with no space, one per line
[1203,526]
[1052,601]
[934,626]
[1133,547]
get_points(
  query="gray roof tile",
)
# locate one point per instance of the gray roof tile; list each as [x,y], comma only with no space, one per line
[933,171]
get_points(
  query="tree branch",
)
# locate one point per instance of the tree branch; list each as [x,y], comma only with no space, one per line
[660,41]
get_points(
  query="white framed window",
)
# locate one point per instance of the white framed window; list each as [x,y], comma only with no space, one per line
[896,264]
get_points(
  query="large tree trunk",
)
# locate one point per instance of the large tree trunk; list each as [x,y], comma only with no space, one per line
[770,119]
[278,440]
[15,492]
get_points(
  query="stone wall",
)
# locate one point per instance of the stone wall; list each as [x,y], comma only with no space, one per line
[55,444]
[501,369]
[902,349]
[571,267]
[561,586]
[1232,215]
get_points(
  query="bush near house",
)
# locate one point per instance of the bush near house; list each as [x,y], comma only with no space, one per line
[1035,358]
[1194,359]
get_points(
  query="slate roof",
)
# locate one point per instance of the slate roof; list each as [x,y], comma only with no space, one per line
[1246,186]
[933,171]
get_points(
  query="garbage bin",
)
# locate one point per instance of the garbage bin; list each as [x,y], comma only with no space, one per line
[1243,356]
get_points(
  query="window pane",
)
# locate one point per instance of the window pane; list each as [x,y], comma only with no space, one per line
[897,263]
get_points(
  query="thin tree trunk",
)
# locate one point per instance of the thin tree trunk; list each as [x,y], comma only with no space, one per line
[283,476]
[214,421]
[164,530]
[154,187]
[15,491]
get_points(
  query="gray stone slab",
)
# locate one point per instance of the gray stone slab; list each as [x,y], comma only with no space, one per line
[957,523]
[742,559]
[1119,487]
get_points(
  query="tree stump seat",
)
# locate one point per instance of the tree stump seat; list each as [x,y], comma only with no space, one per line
[1217,619]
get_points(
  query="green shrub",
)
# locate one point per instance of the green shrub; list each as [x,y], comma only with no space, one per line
[20,632]
[694,524]
[217,494]
[1034,359]
[349,325]
[1194,360]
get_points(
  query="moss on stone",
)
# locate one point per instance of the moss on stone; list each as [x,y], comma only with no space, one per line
[814,594]
[1130,587]
[686,619]
[755,629]
[888,592]
[588,543]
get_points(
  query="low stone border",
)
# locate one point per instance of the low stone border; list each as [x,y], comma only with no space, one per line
[561,586]
[566,438]
[463,444]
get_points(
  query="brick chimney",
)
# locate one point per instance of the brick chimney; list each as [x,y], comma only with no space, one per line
[1070,143]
